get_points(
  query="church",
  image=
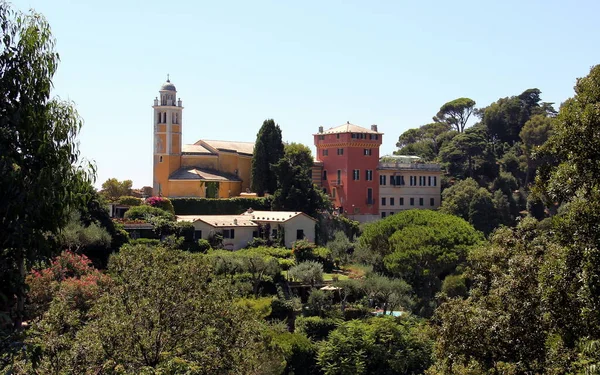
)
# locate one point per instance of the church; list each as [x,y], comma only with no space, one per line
[207,168]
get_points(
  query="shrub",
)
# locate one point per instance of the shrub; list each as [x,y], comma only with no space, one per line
[299,353]
[307,273]
[256,242]
[162,203]
[281,309]
[303,250]
[316,328]
[145,212]
[208,206]
[324,256]
[128,200]
[145,241]
[203,245]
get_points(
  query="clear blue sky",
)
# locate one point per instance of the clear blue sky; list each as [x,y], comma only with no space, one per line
[303,63]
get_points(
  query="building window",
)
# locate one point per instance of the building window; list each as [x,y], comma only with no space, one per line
[382,179]
[434,181]
[432,202]
[300,234]
[274,233]
[383,215]
[370,196]
[411,180]
[368,151]
[197,234]
[333,193]
[229,233]
[401,201]
[420,201]
[428,180]
[383,201]
[401,180]
[339,176]
[337,136]
[321,138]
[369,175]
[325,152]
[356,174]
[324,175]
[340,151]
[160,159]
[392,201]
[391,213]
[412,201]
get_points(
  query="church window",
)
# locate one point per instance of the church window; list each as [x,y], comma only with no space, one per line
[160,159]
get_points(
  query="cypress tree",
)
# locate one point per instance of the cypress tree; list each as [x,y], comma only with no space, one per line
[268,149]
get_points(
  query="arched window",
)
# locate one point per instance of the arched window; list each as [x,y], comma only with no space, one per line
[160,159]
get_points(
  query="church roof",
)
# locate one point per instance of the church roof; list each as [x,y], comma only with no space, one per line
[168,86]
[246,148]
[195,149]
[349,128]
[202,174]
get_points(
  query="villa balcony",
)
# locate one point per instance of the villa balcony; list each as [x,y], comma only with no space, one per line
[336,183]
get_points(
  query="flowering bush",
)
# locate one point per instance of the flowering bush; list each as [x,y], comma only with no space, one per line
[70,276]
[162,203]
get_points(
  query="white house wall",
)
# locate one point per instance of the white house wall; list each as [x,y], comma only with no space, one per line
[242,235]
[299,222]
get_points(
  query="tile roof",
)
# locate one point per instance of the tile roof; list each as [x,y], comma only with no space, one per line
[201,174]
[195,149]
[220,220]
[247,219]
[232,146]
[273,215]
[349,128]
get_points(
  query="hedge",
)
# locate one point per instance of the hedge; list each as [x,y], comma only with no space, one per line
[227,206]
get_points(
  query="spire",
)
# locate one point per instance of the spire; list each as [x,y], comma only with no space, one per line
[168,78]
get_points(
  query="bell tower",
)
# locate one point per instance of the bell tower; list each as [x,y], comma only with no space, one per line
[167,123]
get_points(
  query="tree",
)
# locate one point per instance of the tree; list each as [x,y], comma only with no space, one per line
[165,313]
[456,113]
[457,198]
[308,272]
[341,248]
[376,346]
[77,237]
[422,247]
[482,212]
[388,293]
[535,133]
[113,189]
[41,176]
[295,188]
[425,141]
[268,149]
[462,155]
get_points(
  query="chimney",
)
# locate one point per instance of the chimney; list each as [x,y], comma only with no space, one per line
[320,129]
[374,127]
[347,122]
[234,221]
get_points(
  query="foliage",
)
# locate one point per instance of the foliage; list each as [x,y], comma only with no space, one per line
[203,245]
[425,141]
[228,206]
[341,248]
[376,346]
[42,175]
[388,294]
[77,237]
[456,113]
[181,320]
[146,212]
[268,150]
[422,247]
[295,188]
[316,328]
[128,200]
[298,351]
[307,272]
[303,250]
[328,224]
[162,203]
[113,189]
[456,199]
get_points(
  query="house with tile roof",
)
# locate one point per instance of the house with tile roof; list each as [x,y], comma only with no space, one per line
[238,230]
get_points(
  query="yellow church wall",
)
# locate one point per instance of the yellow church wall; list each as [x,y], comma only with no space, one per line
[176,128]
[179,188]
[203,161]
[229,189]
[161,173]
[228,162]
[174,163]
[244,166]
[176,144]
[162,128]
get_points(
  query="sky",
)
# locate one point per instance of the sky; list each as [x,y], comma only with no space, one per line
[303,63]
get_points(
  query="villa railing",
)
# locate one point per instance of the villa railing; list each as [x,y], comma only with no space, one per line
[335,183]
[410,166]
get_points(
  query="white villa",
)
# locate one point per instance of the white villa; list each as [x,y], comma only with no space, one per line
[238,230]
